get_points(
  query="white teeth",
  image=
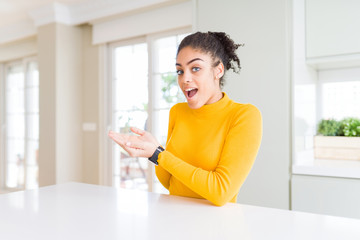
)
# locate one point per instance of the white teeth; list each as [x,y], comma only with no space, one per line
[189,89]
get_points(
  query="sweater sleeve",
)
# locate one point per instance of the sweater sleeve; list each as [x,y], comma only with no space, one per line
[238,155]
[163,175]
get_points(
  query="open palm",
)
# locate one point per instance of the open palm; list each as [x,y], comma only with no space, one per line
[136,145]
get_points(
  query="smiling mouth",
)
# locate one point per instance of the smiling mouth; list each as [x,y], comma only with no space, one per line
[191,92]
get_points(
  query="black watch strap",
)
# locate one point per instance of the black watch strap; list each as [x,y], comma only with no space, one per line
[155,156]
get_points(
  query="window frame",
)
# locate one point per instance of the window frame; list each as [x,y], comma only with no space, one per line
[3,142]
[149,39]
[349,76]
[2,126]
[109,100]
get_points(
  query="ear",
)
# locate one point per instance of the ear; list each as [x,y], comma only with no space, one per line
[219,70]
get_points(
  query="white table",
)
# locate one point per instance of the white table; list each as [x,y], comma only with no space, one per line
[81,211]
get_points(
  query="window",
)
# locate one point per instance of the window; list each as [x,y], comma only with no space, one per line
[143,89]
[21,135]
[339,93]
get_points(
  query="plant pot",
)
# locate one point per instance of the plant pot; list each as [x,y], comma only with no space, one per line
[334,147]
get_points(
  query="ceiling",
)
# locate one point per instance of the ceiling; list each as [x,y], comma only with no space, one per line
[20,19]
[14,11]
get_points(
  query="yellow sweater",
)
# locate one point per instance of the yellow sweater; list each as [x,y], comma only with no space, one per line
[210,150]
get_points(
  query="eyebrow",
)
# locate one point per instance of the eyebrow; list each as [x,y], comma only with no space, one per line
[193,60]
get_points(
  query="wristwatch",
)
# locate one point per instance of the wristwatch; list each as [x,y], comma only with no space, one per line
[155,156]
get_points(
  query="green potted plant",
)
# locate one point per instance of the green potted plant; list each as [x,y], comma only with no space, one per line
[338,139]
[351,127]
[329,127]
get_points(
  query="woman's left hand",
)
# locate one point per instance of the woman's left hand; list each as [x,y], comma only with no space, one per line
[136,146]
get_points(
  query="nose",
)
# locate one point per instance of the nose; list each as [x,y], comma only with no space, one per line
[186,77]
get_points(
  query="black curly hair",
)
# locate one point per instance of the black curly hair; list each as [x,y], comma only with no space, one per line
[219,45]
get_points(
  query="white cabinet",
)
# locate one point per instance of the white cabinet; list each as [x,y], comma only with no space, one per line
[326,195]
[332,33]
[332,27]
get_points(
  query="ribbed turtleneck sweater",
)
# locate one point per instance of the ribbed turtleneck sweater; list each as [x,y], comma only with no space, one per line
[210,151]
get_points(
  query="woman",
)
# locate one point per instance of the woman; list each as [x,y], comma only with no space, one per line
[212,141]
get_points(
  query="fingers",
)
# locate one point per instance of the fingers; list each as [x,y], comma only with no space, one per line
[118,138]
[137,131]
[136,149]
[135,144]
[147,136]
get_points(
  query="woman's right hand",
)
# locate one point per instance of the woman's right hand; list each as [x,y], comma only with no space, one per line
[145,136]
[134,145]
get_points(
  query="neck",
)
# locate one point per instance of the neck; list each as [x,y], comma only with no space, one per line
[219,95]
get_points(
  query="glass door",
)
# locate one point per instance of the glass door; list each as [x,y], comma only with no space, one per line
[21,125]
[129,108]
[143,89]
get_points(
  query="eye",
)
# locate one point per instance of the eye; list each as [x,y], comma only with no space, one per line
[179,72]
[195,69]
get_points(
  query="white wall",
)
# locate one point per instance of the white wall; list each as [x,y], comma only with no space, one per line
[2,121]
[90,108]
[264,81]
[69,73]
[47,105]
[18,49]
[60,68]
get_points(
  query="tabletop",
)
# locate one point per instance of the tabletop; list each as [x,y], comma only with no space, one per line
[82,211]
